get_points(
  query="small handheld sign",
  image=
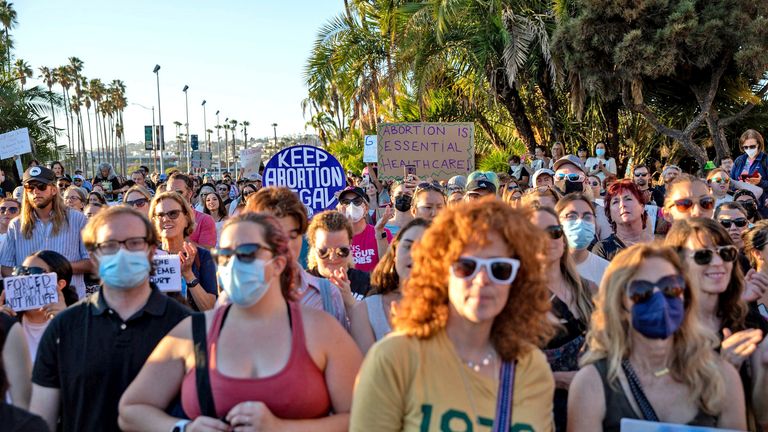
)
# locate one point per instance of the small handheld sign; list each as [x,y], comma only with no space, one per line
[313,173]
[31,292]
[167,275]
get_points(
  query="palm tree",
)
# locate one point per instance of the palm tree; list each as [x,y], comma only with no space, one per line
[233,128]
[226,141]
[8,18]
[96,93]
[63,77]
[22,71]
[245,125]
[49,78]
[75,68]
[117,89]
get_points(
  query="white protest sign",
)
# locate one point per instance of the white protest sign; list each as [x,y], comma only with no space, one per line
[370,149]
[631,425]
[31,292]
[250,159]
[15,143]
[167,275]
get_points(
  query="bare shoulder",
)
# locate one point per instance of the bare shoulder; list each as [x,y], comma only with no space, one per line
[359,312]
[319,324]
[588,382]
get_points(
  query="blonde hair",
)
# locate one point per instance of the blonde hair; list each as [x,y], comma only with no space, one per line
[694,361]
[28,216]
[329,221]
[185,208]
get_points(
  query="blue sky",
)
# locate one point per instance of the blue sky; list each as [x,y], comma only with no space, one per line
[246,58]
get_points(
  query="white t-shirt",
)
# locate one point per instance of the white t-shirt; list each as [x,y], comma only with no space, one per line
[592,268]
[592,163]
[33,332]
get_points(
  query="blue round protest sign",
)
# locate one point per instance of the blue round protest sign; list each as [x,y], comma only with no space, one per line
[313,173]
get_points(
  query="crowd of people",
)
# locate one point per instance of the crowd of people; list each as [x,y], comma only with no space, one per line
[551,296]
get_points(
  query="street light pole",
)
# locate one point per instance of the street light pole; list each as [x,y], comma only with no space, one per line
[205,129]
[161,140]
[218,140]
[187,149]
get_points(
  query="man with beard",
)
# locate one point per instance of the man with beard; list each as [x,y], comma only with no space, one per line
[46,223]
[641,176]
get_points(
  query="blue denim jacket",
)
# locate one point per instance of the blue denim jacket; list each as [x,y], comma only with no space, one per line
[757,166]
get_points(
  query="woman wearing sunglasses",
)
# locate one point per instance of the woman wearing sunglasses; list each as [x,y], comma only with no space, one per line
[9,209]
[370,319]
[237,206]
[174,221]
[752,166]
[35,321]
[330,256]
[749,201]
[626,213]
[649,357]
[688,197]
[512,194]
[139,198]
[307,372]
[709,258]
[475,305]
[571,298]
[733,217]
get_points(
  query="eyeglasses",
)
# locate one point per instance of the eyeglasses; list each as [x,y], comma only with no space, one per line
[499,270]
[26,271]
[719,180]
[573,177]
[42,187]
[686,204]
[172,215]
[555,231]
[247,193]
[356,201]
[72,198]
[739,222]
[640,291]
[245,253]
[325,253]
[748,203]
[138,203]
[594,183]
[111,247]
[645,174]
[705,256]
[9,210]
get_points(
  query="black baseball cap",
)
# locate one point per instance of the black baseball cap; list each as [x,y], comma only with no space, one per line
[40,174]
[354,190]
[481,184]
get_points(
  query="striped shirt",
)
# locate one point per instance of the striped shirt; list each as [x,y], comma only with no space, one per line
[67,242]
[309,295]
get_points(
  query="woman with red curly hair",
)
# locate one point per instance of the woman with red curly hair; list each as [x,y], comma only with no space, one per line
[625,209]
[474,307]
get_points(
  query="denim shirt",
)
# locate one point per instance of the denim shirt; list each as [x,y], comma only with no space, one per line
[757,166]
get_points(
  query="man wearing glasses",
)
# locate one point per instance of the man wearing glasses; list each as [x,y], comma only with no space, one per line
[91,352]
[641,176]
[45,223]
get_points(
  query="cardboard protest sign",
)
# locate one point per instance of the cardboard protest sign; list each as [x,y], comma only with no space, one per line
[15,143]
[167,275]
[250,159]
[31,292]
[437,150]
[313,173]
[370,149]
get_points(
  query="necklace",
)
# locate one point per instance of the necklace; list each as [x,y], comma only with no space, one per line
[661,372]
[485,361]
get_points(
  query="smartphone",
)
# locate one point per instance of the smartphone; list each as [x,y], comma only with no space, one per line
[409,170]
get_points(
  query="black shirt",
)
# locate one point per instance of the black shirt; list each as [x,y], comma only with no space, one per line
[91,355]
[359,281]
[15,419]
[108,185]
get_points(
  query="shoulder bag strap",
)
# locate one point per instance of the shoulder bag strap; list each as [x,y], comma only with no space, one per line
[505,397]
[325,293]
[202,376]
[637,391]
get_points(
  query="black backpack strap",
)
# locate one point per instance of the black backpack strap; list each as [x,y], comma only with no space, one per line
[202,376]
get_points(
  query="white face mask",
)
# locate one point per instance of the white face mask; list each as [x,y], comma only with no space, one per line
[354,213]
[751,152]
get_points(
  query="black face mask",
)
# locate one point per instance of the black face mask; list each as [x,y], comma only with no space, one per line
[403,203]
[574,187]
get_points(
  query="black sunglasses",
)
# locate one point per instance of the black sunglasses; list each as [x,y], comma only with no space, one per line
[245,253]
[141,202]
[172,215]
[42,187]
[341,252]
[26,271]
[9,210]
[640,291]
[555,231]
[705,256]
[739,222]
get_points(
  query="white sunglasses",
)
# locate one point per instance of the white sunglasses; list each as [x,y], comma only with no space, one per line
[499,270]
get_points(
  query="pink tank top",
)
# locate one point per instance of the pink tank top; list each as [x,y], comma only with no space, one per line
[298,391]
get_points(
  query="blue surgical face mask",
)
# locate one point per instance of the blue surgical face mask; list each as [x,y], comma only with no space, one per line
[600,152]
[659,317]
[243,282]
[124,269]
[579,233]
